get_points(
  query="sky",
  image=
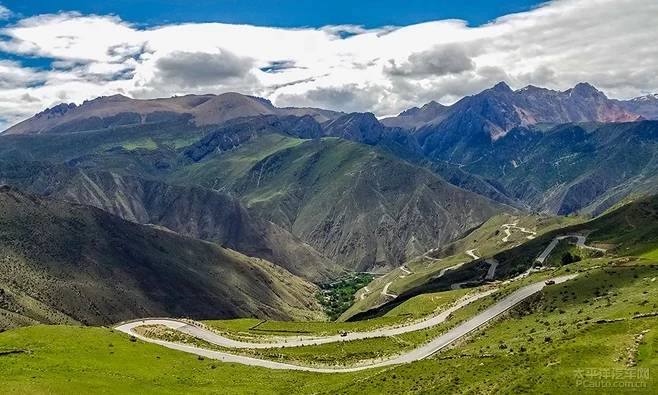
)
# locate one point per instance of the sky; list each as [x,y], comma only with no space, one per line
[379,56]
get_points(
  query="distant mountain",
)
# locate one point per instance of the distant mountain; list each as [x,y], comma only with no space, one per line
[646,106]
[447,132]
[361,127]
[66,263]
[551,151]
[430,113]
[119,110]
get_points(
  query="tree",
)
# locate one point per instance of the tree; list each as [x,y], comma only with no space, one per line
[567,258]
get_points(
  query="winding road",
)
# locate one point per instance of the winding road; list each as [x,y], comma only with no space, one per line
[418,353]
[580,242]
[385,292]
[507,228]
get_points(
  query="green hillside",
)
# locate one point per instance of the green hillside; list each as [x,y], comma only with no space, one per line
[629,230]
[359,206]
[189,210]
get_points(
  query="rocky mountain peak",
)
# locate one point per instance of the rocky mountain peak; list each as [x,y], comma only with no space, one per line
[501,87]
[57,110]
[584,90]
[356,126]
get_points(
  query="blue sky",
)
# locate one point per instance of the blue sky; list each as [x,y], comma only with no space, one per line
[282,13]
[379,56]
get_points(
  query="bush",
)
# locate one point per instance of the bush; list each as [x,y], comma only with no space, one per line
[567,258]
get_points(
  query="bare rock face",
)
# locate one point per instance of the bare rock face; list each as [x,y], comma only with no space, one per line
[361,207]
[430,113]
[361,127]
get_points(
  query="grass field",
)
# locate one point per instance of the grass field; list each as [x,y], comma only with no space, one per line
[229,167]
[653,254]
[413,309]
[62,359]
[593,280]
[544,346]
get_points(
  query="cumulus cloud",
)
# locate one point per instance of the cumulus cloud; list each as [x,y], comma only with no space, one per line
[347,98]
[194,69]
[13,76]
[435,62]
[609,43]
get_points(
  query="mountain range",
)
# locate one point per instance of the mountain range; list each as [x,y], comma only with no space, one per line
[119,110]
[315,193]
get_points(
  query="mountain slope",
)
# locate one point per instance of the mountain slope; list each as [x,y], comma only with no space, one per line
[483,118]
[415,117]
[196,212]
[573,168]
[501,109]
[646,106]
[361,207]
[629,230]
[98,269]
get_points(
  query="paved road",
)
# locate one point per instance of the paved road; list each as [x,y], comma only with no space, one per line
[416,354]
[580,242]
[297,341]
[405,273]
[491,273]
[450,268]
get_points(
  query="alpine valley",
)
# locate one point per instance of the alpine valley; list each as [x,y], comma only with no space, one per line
[480,245]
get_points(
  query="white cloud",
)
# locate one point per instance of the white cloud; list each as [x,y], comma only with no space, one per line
[610,43]
[5,13]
